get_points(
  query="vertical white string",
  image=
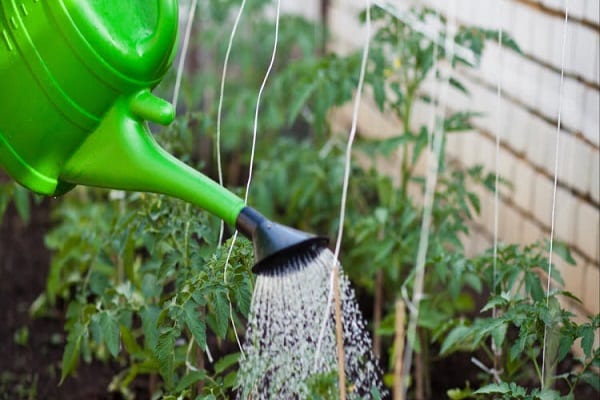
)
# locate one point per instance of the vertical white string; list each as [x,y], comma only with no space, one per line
[497,166]
[220,165]
[252,152]
[346,179]
[260,91]
[220,107]
[352,135]
[220,162]
[184,47]
[556,166]
[433,157]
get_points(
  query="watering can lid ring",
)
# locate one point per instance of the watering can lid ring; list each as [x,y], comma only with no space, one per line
[136,37]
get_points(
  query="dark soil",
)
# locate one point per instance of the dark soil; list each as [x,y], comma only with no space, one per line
[31,370]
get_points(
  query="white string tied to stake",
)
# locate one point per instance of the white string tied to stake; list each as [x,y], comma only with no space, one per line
[555,183]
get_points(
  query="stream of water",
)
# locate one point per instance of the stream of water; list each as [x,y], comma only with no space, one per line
[285,323]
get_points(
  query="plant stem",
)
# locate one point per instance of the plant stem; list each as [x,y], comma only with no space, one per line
[420,372]
[200,355]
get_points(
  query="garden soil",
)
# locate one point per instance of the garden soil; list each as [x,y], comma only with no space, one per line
[31,370]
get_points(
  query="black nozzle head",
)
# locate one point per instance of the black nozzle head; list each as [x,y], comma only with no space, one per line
[277,248]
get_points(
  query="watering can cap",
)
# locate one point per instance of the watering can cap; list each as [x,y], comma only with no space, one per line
[134,37]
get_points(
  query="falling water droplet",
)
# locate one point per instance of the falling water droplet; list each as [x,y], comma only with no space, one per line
[285,322]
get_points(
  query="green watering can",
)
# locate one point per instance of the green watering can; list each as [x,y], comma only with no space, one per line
[75,94]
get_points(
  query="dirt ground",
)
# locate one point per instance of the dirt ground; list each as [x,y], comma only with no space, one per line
[31,370]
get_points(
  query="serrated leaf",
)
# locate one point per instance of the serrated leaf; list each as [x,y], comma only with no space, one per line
[496,301]
[570,296]
[226,362]
[196,325]
[533,286]
[454,337]
[149,315]
[129,342]
[561,249]
[300,99]
[587,340]
[189,379]
[221,310]
[110,332]
[71,352]
[499,334]
[497,388]
[564,346]
[165,353]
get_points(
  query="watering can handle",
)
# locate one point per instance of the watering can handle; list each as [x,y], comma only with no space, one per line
[147,107]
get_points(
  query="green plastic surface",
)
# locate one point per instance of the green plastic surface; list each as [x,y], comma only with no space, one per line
[75,80]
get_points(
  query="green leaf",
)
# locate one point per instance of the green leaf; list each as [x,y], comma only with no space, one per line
[499,334]
[129,342]
[496,301]
[456,84]
[110,332]
[494,388]
[564,346]
[149,315]
[221,310]
[165,353]
[533,286]
[22,203]
[459,394]
[71,353]
[189,379]
[300,100]
[456,336]
[587,340]
[548,394]
[194,323]
[226,362]
[561,249]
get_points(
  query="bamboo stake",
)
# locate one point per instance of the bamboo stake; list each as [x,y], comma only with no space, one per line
[399,346]
[377,311]
[339,333]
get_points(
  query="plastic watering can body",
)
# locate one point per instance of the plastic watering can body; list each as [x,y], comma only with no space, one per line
[75,80]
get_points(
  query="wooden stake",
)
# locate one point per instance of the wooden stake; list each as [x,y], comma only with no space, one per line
[339,333]
[377,311]
[399,353]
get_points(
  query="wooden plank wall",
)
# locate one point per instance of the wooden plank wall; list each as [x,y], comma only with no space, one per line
[525,117]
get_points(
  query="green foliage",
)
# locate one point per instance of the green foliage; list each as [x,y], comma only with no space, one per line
[521,305]
[21,197]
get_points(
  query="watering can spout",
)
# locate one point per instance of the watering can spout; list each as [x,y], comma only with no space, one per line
[122,154]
